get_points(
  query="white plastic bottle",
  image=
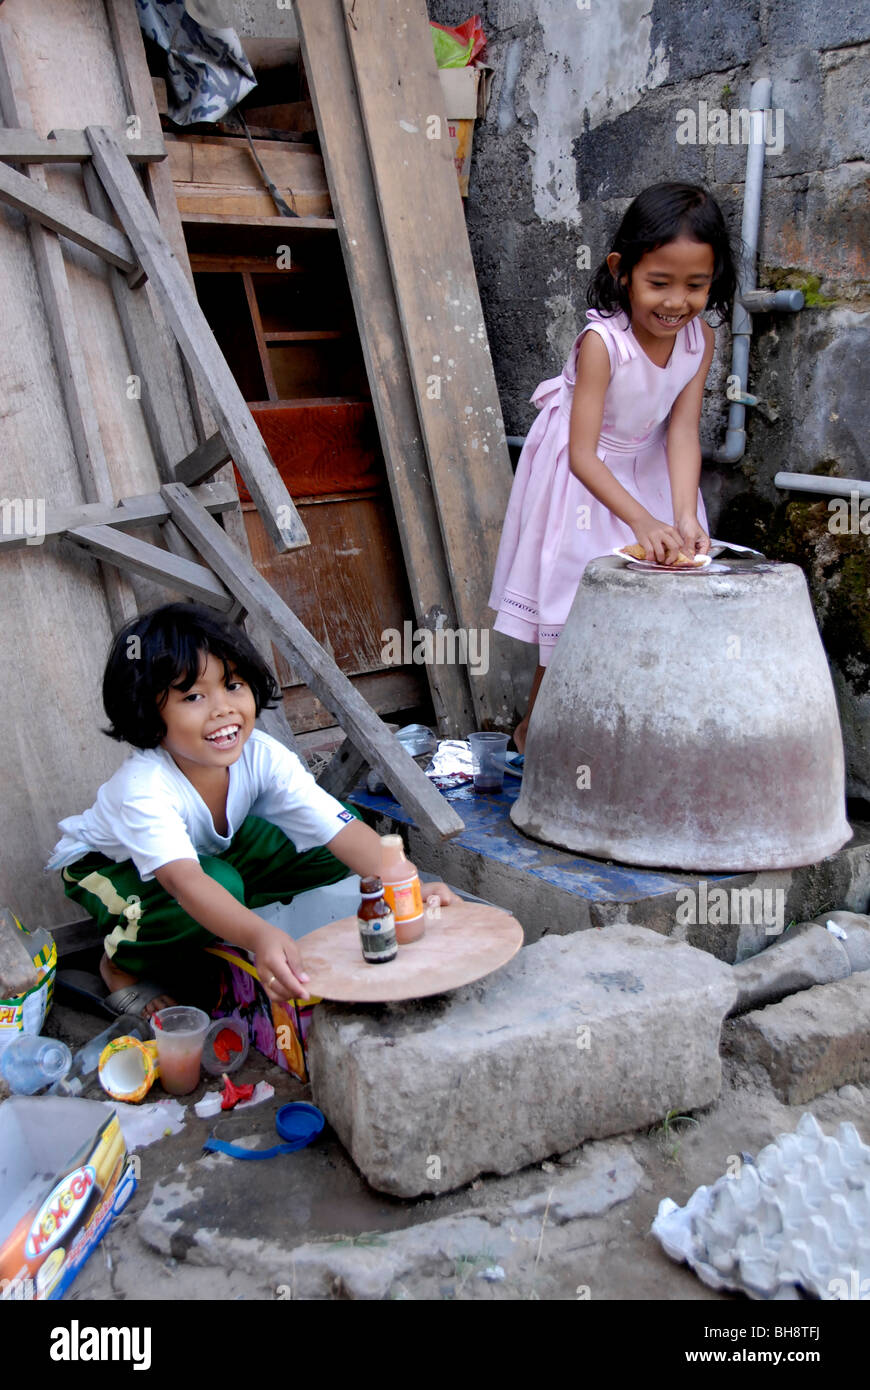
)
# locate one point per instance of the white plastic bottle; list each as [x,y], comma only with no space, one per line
[29,1062]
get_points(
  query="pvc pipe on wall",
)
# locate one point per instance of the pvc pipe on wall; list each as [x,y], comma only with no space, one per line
[741,322]
[828,487]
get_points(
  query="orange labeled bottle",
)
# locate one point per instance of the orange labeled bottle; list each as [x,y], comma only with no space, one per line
[402,890]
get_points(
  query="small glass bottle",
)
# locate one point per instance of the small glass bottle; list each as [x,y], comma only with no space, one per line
[377,926]
[402,890]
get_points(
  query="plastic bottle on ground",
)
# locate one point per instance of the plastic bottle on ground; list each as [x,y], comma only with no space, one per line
[29,1062]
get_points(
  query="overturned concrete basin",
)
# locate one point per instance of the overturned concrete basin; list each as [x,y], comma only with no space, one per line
[688,721]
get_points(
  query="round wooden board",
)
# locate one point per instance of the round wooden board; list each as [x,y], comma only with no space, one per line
[464,943]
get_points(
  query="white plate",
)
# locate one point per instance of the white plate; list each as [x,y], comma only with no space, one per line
[701,562]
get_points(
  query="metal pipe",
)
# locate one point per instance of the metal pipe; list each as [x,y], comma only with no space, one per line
[741,323]
[828,487]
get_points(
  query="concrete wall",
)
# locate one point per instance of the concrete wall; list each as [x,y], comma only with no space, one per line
[583,116]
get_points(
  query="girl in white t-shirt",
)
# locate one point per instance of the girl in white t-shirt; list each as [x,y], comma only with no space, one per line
[207,818]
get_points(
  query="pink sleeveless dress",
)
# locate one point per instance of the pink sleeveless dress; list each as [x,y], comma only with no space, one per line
[554,526]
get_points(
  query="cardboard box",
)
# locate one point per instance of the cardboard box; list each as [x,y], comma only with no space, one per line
[466,94]
[64,1176]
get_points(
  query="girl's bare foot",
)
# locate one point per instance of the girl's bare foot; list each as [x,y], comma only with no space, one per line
[521,732]
[114,979]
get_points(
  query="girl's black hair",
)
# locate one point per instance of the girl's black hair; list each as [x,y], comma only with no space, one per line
[166,648]
[658,215]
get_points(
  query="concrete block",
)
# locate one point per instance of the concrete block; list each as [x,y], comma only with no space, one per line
[642,140]
[846,78]
[579,1037]
[812,1042]
[691,35]
[808,956]
[856,925]
[794,132]
[816,22]
[817,221]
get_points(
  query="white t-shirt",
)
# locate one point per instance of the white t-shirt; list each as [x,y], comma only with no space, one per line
[149,812]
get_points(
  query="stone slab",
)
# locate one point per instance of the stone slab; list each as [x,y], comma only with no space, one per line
[579,1037]
[856,925]
[809,955]
[811,1042]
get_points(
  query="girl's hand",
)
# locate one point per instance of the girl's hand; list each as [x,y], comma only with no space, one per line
[695,538]
[661,542]
[279,965]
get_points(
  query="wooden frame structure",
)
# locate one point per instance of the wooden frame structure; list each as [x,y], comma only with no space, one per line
[138,254]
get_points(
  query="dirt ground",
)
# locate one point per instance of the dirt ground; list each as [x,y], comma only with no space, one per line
[307,1225]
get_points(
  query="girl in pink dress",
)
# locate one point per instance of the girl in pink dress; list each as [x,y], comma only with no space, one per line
[614,456]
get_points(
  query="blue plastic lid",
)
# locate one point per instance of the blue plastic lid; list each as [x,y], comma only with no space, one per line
[299,1123]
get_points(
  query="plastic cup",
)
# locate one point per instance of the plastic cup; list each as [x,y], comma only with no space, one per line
[180,1033]
[235,1055]
[488,754]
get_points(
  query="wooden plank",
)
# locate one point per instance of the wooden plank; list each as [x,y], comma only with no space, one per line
[197,342]
[146,510]
[68,147]
[138,89]
[130,553]
[239,201]
[221,159]
[346,587]
[439,307]
[205,460]
[387,692]
[290,224]
[147,347]
[343,770]
[257,324]
[71,365]
[289,116]
[321,448]
[59,215]
[212,263]
[333,90]
[433,814]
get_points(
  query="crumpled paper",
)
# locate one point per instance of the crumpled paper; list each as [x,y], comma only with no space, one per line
[211,1101]
[452,765]
[142,1125]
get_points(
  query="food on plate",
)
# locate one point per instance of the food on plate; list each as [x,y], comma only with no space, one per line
[637,552]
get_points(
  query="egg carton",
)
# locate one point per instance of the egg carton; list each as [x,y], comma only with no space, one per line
[795,1222]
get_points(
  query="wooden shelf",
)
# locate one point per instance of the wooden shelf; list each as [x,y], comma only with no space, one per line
[303,335]
[293,224]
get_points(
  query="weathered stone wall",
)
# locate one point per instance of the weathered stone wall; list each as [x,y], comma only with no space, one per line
[583,116]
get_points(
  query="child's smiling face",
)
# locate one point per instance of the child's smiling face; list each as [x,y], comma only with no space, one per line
[668,287]
[207,726]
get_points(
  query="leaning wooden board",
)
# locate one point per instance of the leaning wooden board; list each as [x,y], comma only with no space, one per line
[461,943]
[330,77]
[411,158]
